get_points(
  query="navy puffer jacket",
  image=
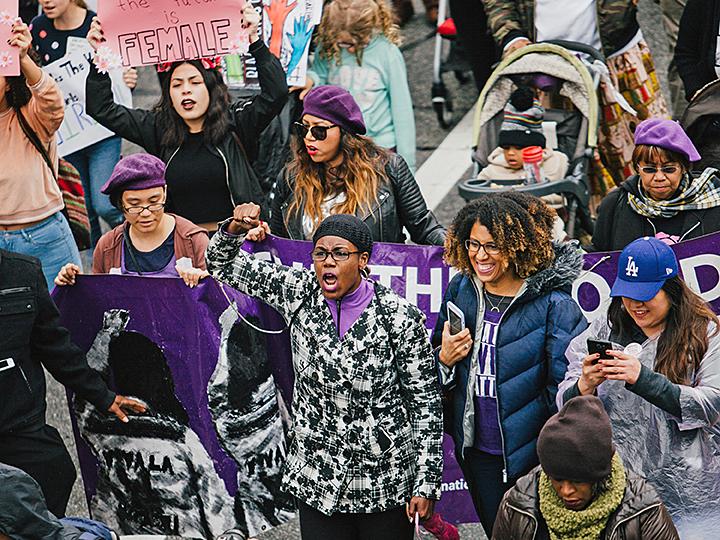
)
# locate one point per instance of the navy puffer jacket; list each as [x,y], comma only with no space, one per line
[530,356]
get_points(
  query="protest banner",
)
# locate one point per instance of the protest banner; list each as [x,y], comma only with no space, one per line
[78,129]
[223,371]
[147,32]
[9,56]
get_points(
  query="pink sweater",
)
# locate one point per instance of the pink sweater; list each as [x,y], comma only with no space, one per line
[28,191]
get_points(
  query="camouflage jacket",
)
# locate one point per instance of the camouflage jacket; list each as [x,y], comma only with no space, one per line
[367,417]
[509,19]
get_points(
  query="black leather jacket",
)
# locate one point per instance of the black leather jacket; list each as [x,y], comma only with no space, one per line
[31,337]
[400,204]
[248,118]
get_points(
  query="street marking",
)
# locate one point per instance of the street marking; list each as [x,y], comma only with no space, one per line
[448,164]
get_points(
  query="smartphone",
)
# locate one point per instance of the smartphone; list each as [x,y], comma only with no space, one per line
[456,318]
[597,346]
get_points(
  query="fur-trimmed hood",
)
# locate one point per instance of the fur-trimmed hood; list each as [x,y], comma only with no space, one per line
[560,275]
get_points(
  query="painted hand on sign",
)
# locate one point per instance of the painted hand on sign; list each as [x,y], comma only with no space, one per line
[299,39]
[278,12]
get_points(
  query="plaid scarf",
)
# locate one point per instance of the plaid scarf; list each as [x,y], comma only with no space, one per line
[587,524]
[695,194]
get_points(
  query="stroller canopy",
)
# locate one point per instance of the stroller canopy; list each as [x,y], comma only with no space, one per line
[577,84]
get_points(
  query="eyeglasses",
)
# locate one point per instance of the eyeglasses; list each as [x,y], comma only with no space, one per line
[154,207]
[338,255]
[473,246]
[654,170]
[319,133]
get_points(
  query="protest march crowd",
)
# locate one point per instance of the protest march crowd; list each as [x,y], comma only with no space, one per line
[564,426]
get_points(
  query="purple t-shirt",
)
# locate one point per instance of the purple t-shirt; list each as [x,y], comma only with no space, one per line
[487,428]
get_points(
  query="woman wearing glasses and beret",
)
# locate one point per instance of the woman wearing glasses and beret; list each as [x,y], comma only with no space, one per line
[663,200]
[335,169]
[365,451]
[502,370]
[150,242]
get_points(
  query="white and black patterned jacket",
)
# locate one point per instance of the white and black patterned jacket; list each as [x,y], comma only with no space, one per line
[367,432]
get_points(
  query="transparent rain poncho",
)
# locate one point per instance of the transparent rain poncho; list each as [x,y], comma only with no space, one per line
[680,457]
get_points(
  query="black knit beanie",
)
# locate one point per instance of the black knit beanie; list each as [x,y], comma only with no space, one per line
[348,227]
[576,443]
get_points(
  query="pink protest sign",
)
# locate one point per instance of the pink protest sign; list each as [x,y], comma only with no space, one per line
[146,32]
[9,56]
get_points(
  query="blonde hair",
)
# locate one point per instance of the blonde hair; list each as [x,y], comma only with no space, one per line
[363,19]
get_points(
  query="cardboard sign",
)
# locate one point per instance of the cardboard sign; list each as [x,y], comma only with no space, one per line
[147,32]
[9,56]
[78,130]
[287,28]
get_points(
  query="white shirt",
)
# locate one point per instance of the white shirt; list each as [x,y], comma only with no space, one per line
[574,20]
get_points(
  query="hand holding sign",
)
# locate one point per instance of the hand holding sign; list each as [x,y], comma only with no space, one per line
[147,32]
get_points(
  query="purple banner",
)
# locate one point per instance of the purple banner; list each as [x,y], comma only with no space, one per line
[221,418]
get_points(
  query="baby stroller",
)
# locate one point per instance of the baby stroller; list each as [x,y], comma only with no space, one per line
[701,121]
[575,124]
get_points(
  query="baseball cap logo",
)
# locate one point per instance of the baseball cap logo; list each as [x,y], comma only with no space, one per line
[668,271]
[631,270]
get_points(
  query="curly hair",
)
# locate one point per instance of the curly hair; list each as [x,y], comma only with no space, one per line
[524,238]
[362,171]
[216,124]
[543,214]
[363,19]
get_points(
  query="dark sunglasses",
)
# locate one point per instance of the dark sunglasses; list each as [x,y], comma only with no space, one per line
[319,133]
[664,170]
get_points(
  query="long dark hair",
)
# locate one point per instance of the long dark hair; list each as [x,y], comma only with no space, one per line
[17,91]
[684,341]
[217,123]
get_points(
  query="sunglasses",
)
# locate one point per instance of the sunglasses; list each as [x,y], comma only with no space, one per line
[319,133]
[654,170]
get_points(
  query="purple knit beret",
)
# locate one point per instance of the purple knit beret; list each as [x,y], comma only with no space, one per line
[666,134]
[135,172]
[335,105]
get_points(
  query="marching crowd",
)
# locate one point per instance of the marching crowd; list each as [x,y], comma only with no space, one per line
[564,428]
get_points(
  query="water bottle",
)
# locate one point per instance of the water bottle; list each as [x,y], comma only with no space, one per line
[532,157]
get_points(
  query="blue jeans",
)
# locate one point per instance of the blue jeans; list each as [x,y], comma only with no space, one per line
[51,241]
[95,164]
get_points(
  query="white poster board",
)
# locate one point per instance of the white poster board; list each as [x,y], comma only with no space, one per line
[78,130]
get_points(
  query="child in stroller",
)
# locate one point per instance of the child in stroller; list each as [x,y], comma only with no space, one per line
[522,128]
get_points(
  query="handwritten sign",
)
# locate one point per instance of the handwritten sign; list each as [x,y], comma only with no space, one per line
[146,32]
[9,56]
[78,130]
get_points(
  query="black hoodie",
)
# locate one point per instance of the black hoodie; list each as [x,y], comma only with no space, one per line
[618,224]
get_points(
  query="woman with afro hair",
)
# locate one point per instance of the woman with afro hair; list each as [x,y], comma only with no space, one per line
[502,370]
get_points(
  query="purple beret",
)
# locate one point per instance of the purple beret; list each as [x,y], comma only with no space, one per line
[666,134]
[335,105]
[135,172]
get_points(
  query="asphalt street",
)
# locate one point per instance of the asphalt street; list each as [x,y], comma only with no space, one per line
[418,52]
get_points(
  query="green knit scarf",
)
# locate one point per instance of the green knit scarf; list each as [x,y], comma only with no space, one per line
[565,524]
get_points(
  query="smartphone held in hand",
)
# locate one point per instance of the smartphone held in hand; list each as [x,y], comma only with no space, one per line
[456,318]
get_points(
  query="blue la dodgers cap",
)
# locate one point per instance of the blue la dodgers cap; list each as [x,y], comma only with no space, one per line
[644,266]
